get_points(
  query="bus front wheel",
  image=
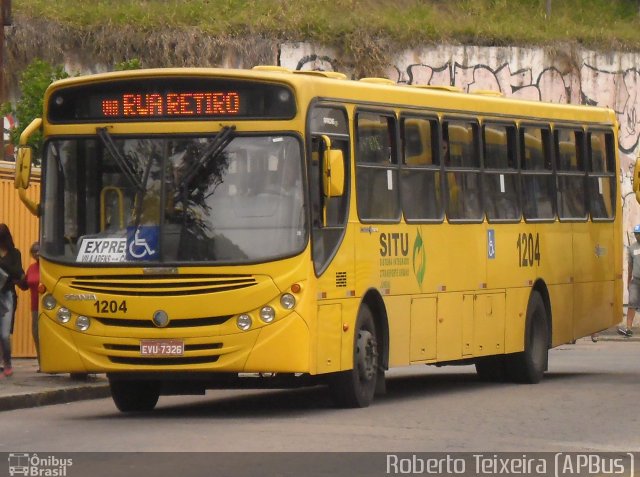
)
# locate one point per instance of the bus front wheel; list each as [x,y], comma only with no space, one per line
[134,396]
[529,366]
[356,387]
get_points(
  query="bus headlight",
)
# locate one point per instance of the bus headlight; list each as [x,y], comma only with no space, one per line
[82,323]
[244,322]
[48,302]
[288,301]
[63,315]
[267,314]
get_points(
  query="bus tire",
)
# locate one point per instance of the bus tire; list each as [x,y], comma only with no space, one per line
[529,366]
[356,387]
[134,396]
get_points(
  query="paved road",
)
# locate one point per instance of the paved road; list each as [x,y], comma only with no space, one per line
[588,401]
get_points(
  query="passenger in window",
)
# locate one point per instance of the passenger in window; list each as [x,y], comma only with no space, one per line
[445,152]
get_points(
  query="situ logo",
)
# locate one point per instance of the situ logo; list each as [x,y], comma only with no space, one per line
[38,466]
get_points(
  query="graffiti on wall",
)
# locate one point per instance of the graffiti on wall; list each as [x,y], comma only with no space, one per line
[618,89]
[608,80]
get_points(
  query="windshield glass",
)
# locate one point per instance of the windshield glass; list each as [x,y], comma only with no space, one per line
[218,198]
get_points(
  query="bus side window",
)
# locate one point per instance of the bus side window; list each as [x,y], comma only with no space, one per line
[570,174]
[500,180]
[420,174]
[538,188]
[462,166]
[601,187]
[376,170]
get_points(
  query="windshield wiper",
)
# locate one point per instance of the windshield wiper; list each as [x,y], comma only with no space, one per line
[128,171]
[126,168]
[218,144]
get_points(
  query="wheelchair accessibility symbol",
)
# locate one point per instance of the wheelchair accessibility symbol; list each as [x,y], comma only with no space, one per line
[491,244]
[142,242]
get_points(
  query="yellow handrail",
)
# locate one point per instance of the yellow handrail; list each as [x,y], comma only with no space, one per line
[103,195]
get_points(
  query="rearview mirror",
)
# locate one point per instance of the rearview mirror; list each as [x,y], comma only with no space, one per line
[23,168]
[636,179]
[332,170]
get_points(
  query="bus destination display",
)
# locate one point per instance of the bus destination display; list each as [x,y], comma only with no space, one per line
[150,105]
[152,99]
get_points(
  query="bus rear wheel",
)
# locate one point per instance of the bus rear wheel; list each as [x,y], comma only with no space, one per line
[529,366]
[134,396]
[356,387]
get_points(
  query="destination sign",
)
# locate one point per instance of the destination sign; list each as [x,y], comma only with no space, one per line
[171,98]
[131,105]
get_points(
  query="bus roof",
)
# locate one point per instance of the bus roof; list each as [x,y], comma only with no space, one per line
[373,92]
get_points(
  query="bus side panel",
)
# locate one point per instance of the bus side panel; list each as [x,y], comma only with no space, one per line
[594,272]
[450,313]
[594,305]
[488,324]
[561,297]
[593,250]
[399,311]
[423,329]
[456,257]
[516,316]
[618,253]
[504,267]
[556,255]
[328,341]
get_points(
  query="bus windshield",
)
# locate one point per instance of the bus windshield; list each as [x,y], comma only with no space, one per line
[214,199]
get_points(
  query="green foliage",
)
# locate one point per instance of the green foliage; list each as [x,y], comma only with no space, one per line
[132,64]
[34,81]
[594,23]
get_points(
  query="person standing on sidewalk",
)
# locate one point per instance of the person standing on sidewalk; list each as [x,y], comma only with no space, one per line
[633,278]
[11,265]
[31,282]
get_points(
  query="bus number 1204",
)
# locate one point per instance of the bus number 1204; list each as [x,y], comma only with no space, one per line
[110,306]
[528,250]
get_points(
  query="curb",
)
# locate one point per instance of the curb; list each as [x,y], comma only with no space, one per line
[616,338]
[54,396]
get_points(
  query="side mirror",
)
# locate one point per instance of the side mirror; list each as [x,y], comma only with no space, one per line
[636,179]
[23,167]
[332,170]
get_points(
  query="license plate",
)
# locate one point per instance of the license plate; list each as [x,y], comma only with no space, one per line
[161,347]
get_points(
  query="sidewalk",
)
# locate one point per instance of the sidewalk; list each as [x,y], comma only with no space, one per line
[612,335]
[28,388]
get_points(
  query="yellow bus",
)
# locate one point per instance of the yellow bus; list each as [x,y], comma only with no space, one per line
[214,228]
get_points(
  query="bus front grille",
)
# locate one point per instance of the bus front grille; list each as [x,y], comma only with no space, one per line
[136,359]
[178,360]
[175,323]
[187,347]
[162,285]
